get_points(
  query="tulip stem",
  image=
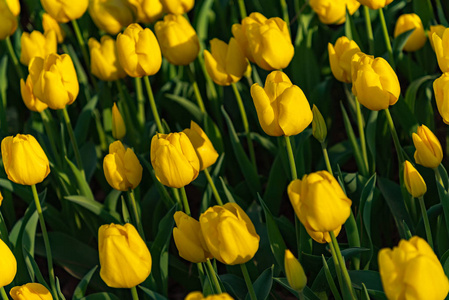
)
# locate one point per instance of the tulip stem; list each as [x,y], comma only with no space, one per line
[213,187]
[185,203]
[136,213]
[245,125]
[249,284]
[369,29]
[140,102]
[3,293]
[134,293]
[213,276]
[73,140]
[426,221]
[242,9]
[387,38]
[394,134]
[291,158]
[51,137]
[196,90]
[157,119]
[14,59]
[51,272]
[361,133]
[326,158]
[336,264]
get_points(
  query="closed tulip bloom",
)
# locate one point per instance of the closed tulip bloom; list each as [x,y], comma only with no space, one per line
[340,56]
[441,47]
[428,149]
[323,237]
[1,199]
[199,296]
[138,51]
[418,37]
[104,59]
[37,45]
[229,234]
[14,6]
[293,270]
[374,82]
[282,108]
[438,29]
[30,291]
[31,102]
[333,11]
[8,264]
[54,80]
[203,146]
[177,7]
[174,159]
[124,257]
[225,63]
[189,239]
[64,11]
[24,160]
[415,184]
[8,25]
[122,168]
[412,271]
[111,15]
[319,128]
[178,40]
[148,11]
[375,4]
[118,125]
[48,23]
[441,91]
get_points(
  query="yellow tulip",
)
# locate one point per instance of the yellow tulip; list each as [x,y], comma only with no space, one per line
[64,11]
[323,237]
[37,45]
[375,4]
[111,15]
[54,80]
[415,184]
[8,264]
[188,239]
[177,7]
[412,271]
[295,273]
[374,82]
[203,146]
[138,51]
[30,291]
[148,11]
[1,201]
[124,257]
[118,125]
[229,234]
[178,40]
[282,108]
[14,6]
[24,160]
[48,23]
[31,101]
[439,30]
[333,11]
[418,37]
[104,59]
[8,25]
[441,91]
[441,47]
[428,149]
[174,159]
[340,57]
[199,296]
[225,63]
[122,168]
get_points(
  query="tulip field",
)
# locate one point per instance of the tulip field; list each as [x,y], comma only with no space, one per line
[227,149]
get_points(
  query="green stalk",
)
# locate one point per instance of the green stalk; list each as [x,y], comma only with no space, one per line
[213,276]
[326,158]
[140,102]
[153,105]
[342,263]
[426,221]
[242,8]
[134,293]
[291,158]
[196,90]
[213,187]
[394,134]
[369,29]
[249,284]
[3,293]
[51,137]
[201,272]
[136,213]
[336,264]
[361,134]
[185,203]
[387,38]
[73,140]
[14,59]
[51,272]
[84,52]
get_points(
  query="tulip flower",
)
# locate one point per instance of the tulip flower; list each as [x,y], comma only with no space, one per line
[148,11]
[295,273]
[124,257]
[229,234]
[374,82]
[441,47]
[323,237]
[340,56]
[375,4]
[122,168]
[199,296]
[415,184]
[225,63]
[282,108]
[54,80]
[177,7]
[189,239]
[118,125]
[8,25]
[428,149]
[31,102]
[203,146]
[8,264]
[104,63]
[37,45]
[412,271]
[24,160]
[177,39]
[441,91]
[439,30]
[1,199]
[418,37]
[64,11]
[138,51]
[333,11]
[48,23]
[14,6]
[111,15]
[174,159]
[30,291]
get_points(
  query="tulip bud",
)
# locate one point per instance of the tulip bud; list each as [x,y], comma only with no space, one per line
[111,15]
[49,24]
[148,11]
[439,30]
[333,11]
[1,199]
[229,234]
[441,91]
[203,146]
[118,125]
[225,64]
[323,237]
[8,264]
[174,159]
[374,82]
[124,257]
[340,57]
[199,296]
[418,37]
[138,51]
[295,273]
[24,160]
[177,7]
[31,102]
[122,168]
[104,59]
[428,149]
[37,45]
[64,11]
[14,6]
[54,80]
[178,40]
[319,128]
[189,239]
[415,184]
[8,25]
[441,44]
[375,4]
[30,291]
[282,108]
[412,271]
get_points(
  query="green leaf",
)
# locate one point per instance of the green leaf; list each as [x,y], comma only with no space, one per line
[370,279]
[83,122]
[308,293]
[351,29]
[96,208]
[82,185]
[412,90]
[235,285]
[151,294]
[262,285]
[400,41]
[24,192]
[276,185]
[366,201]
[188,105]
[213,133]
[81,288]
